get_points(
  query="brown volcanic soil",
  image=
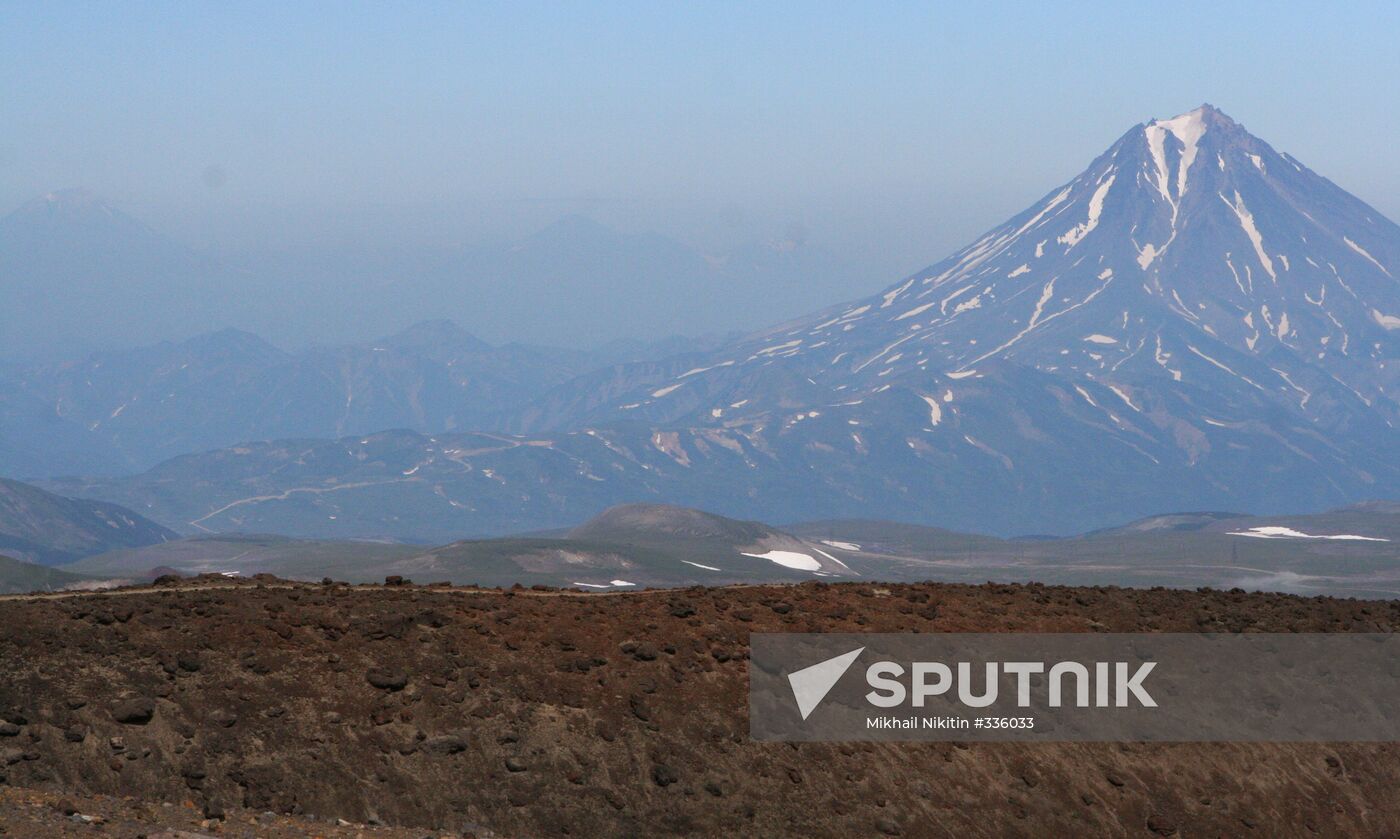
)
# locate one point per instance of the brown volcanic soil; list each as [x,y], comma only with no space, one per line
[37,814]
[542,714]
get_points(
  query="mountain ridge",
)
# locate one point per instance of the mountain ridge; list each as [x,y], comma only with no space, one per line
[1195,321]
[127,411]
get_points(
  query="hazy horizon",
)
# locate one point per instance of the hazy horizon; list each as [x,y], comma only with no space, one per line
[337,151]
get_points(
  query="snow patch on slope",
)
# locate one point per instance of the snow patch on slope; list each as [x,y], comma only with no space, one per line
[935,410]
[789,559]
[1278,532]
[1076,234]
[1364,253]
[1252,231]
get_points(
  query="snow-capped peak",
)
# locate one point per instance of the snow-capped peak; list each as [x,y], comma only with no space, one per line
[1190,250]
[1194,315]
[1188,128]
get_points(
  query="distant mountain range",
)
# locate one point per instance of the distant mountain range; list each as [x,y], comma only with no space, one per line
[122,412]
[1195,321]
[81,275]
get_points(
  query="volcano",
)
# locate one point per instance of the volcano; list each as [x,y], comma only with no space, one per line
[1195,322]
[1194,319]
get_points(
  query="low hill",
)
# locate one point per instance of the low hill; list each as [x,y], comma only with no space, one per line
[49,529]
[667,521]
[891,537]
[633,545]
[17,577]
[636,545]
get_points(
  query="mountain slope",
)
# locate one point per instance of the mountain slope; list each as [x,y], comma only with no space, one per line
[125,411]
[436,488]
[17,577]
[1195,320]
[1187,234]
[40,527]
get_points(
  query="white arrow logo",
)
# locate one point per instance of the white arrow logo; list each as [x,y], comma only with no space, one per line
[810,685]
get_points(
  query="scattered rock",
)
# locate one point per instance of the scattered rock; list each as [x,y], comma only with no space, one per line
[640,652]
[446,744]
[135,711]
[65,807]
[386,678]
[663,775]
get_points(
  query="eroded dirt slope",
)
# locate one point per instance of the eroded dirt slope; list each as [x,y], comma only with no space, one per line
[540,714]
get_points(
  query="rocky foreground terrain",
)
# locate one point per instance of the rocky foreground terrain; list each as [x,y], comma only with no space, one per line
[540,713]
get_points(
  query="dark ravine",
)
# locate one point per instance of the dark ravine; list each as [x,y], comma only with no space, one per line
[539,713]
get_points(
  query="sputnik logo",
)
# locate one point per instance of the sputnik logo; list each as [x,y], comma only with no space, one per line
[810,685]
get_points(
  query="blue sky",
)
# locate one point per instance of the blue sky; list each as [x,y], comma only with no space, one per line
[891,133]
